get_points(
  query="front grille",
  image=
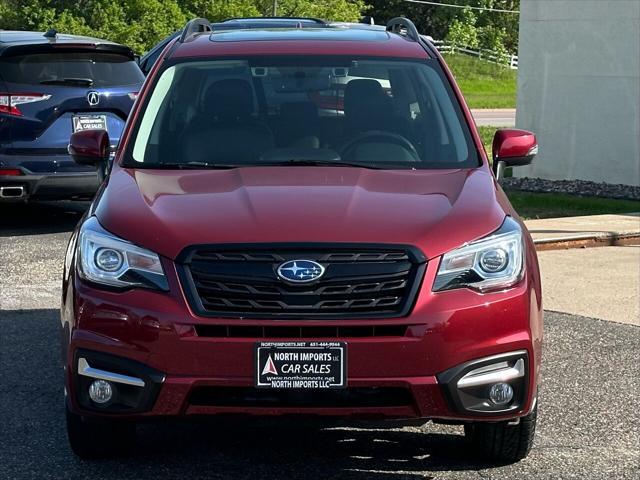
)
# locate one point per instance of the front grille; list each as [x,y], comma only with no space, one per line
[277,331]
[360,281]
[348,397]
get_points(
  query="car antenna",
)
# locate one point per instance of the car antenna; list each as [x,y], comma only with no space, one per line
[51,33]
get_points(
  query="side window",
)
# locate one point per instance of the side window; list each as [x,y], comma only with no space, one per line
[433,93]
[150,118]
[148,61]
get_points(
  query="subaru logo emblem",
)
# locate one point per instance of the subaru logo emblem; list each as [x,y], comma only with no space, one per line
[93,98]
[300,271]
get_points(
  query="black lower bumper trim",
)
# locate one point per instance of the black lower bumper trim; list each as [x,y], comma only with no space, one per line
[346,398]
[475,400]
[53,186]
[126,398]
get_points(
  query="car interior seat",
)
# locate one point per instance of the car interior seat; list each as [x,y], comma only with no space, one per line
[299,125]
[226,130]
[367,107]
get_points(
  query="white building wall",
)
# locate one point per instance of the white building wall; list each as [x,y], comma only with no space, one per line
[579,88]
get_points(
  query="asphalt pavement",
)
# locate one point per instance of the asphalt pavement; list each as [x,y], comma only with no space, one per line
[589,421]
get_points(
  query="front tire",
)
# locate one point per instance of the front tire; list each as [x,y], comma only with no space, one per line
[91,438]
[501,442]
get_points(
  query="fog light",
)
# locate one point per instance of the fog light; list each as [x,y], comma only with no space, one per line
[501,393]
[100,391]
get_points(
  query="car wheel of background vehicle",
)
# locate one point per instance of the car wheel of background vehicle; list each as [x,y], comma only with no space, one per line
[99,438]
[501,442]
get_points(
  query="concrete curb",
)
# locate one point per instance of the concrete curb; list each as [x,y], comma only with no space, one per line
[588,240]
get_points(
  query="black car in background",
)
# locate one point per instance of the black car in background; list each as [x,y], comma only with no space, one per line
[52,85]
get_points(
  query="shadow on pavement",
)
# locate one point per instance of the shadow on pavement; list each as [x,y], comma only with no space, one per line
[40,217]
[35,446]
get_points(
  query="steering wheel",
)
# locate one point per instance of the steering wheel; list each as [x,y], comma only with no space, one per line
[378,135]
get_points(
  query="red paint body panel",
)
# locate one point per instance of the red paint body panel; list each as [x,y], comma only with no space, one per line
[90,144]
[434,210]
[513,143]
[169,210]
[394,46]
[447,329]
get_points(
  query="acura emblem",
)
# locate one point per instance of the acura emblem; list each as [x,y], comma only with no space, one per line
[300,271]
[93,98]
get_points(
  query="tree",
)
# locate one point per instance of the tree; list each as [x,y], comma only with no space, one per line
[462,31]
[337,10]
[142,23]
[217,10]
[493,30]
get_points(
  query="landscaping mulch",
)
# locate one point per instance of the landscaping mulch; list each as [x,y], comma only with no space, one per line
[573,187]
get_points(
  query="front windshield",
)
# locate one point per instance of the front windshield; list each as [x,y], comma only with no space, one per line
[375,113]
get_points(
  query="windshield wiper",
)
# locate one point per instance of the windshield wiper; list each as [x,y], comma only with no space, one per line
[190,166]
[85,82]
[319,163]
[284,163]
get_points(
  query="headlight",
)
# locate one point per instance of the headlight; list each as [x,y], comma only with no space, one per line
[493,263]
[109,260]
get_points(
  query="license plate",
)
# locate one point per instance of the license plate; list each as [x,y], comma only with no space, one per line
[89,122]
[301,365]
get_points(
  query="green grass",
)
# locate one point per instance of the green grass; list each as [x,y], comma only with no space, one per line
[484,84]
[549,205]
[486,134]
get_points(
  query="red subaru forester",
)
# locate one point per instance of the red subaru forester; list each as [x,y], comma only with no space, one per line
[302,221]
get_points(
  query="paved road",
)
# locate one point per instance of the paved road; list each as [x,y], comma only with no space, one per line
[495,117]
[589,423]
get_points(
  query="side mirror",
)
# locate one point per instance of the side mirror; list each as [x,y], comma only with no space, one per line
[89,147]
[512,148]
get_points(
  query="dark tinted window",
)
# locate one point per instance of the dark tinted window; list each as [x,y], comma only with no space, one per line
[68,68]
[373,112]
[147,61]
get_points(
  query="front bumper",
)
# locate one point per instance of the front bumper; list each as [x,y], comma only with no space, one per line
[151,393]
[400,376]
[45,177]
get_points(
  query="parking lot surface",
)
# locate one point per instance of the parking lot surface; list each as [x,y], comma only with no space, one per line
[589,421]
[614,294]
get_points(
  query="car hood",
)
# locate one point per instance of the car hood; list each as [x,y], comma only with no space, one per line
[168,210]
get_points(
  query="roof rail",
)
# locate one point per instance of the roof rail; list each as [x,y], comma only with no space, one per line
[396,25]
[193,27]
[319,21]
